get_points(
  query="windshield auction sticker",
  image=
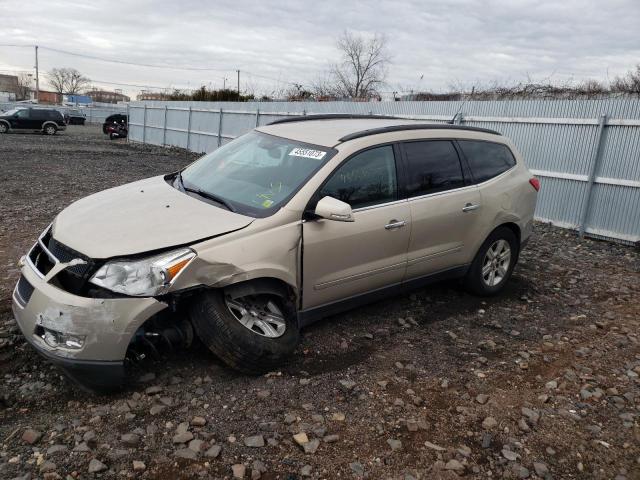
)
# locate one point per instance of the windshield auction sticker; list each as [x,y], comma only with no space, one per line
[307,153]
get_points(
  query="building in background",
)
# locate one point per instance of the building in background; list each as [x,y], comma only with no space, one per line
[104,96]
[145,95]
[8,87]
[47,97]
[77,100]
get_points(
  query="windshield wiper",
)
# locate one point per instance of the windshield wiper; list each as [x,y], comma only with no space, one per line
[210,196]
[205,194]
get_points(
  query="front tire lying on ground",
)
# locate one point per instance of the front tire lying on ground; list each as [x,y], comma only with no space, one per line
[493,264]
[252,334]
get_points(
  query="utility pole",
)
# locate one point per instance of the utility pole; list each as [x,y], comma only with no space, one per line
[238,84]
[37,78]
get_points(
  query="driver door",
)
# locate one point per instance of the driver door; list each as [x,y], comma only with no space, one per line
[345,259]
[20,119]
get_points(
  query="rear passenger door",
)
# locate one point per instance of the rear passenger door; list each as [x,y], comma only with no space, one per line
[444,207]
[37,118]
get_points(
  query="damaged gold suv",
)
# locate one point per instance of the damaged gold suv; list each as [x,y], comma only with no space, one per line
[294,221]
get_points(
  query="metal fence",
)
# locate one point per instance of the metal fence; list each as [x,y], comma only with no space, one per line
[95,114]
[586,152]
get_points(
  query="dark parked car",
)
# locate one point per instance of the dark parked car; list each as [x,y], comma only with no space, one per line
[117,118]
[45,120]
[76,117]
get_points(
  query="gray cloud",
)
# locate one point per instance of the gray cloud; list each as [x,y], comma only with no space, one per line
[454,41]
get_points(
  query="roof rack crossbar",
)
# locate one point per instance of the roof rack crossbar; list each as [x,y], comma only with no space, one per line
[331,116]
[416,126]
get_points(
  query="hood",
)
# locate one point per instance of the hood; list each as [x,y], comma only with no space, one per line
[140,217]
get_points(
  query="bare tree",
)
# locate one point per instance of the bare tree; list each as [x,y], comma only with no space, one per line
[25,80]
[67,81]
[363,67]
[629,84]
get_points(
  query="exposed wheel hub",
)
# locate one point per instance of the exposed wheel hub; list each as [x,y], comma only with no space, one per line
[261,315]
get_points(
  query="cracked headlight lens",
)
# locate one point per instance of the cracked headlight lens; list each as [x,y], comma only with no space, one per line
[145,277]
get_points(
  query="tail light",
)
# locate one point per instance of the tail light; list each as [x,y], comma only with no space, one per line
[535,183]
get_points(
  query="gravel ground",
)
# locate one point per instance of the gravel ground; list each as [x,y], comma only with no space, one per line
[540,382]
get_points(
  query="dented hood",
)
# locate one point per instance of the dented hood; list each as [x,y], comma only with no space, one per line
[140,217]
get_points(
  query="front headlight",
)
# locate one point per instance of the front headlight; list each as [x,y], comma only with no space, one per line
[143,278]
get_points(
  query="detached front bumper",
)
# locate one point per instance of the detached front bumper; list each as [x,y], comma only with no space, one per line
[102,328]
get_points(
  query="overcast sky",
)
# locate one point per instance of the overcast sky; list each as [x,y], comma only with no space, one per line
[445,41]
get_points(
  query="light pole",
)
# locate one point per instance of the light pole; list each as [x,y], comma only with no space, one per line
[37,78]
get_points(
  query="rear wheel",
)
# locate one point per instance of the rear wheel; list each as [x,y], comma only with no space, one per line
[494,263]
[252,334]
[50,129]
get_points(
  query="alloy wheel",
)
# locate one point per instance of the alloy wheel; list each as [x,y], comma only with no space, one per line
[259,314]
[496,263]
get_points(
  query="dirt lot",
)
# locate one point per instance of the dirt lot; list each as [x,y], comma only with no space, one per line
[540,382]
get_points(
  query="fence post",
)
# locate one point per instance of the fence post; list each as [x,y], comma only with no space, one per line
[257,117]
[220,129]
[144,124]
[593,168]
[189,129]
[164,127]
[127,122]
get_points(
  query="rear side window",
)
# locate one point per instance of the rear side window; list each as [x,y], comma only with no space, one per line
[367,179]
[486,159]
[433,166]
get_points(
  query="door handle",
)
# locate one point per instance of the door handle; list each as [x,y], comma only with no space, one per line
[470,207]
[395,224]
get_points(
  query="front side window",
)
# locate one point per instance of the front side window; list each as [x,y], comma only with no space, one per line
[367,179]
[486,159]
[23,114]
[433,166]
[256,173]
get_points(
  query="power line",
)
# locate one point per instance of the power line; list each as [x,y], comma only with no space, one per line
[150,65]
[124,62]
[91,80]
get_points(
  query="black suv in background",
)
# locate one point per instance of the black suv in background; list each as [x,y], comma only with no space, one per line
[118,118]
[45,120]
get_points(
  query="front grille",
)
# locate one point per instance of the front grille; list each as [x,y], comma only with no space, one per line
[73,278]
[66,254]
[24,290]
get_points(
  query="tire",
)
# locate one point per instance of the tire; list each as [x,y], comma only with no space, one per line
[4,128]
[238,346]
[488,275]
[49,129]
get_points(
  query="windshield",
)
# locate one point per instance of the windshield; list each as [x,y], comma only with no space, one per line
[12,111]
[256,173]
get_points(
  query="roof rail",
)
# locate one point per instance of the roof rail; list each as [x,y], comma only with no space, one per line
[415,126]
[331,116]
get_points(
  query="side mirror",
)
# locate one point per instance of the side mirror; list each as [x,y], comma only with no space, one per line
[333,209]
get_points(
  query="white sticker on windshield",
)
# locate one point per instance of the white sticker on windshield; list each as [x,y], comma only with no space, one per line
[308,153]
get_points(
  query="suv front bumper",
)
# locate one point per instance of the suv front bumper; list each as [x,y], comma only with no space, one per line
[106,327]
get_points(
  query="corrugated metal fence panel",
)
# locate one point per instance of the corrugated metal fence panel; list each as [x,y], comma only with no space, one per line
[558,139]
